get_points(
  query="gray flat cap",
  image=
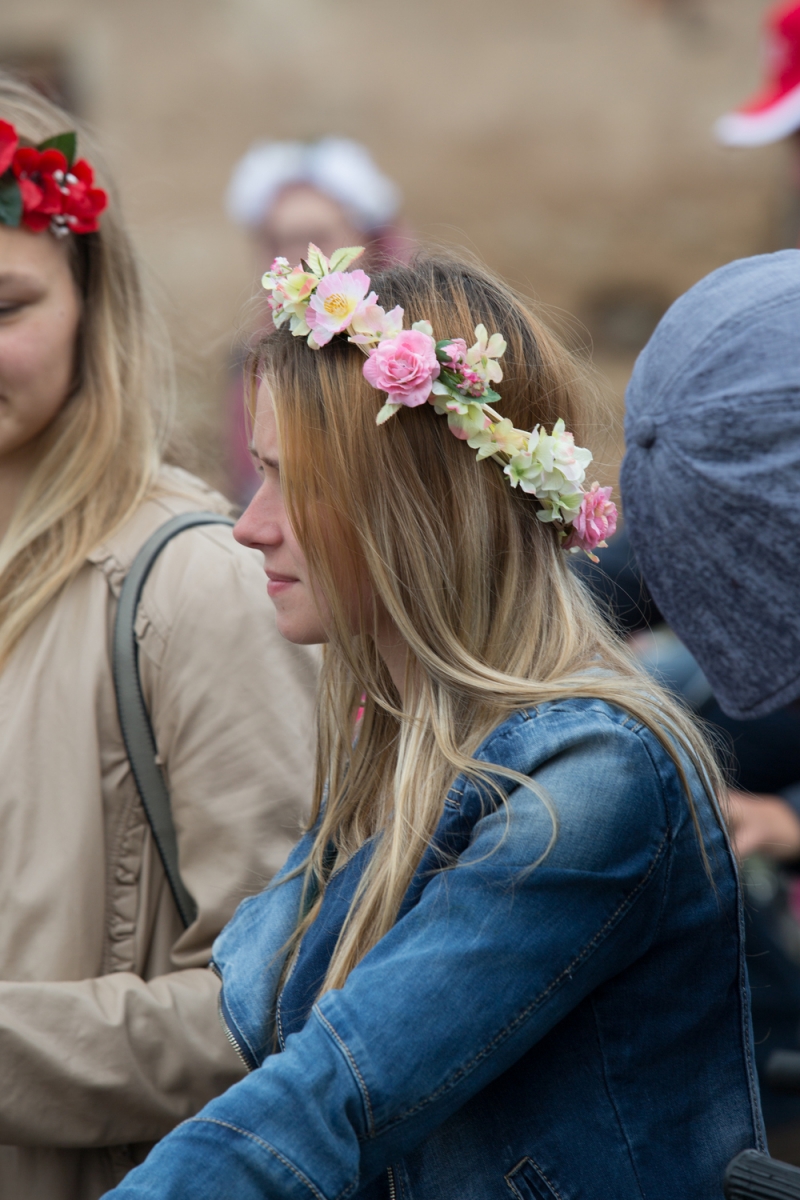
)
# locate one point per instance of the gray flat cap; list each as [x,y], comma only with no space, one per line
[711,477]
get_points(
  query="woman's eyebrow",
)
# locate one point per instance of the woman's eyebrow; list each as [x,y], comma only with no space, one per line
[15,277]
[267,462]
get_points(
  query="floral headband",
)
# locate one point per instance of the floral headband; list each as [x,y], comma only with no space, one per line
[43,187]
[321,298]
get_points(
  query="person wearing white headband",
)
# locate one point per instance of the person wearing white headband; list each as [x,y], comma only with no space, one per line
[287,194]
[329,192]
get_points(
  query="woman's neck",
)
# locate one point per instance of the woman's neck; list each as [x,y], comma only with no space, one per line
[16,469]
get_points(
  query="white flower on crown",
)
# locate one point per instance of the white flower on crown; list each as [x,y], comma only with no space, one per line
[500,438]
[552,468]
[483,356]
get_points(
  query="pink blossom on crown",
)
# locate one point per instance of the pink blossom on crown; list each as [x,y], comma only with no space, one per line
[404,367]
[475,369]
[596,521]
[372,324]
[338,299]
[471,382]
[456,351]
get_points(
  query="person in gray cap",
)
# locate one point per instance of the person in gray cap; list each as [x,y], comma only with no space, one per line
[711,492]
[711,477]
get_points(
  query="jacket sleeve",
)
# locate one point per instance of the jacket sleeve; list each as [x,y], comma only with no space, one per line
[492,957]
[120,1058]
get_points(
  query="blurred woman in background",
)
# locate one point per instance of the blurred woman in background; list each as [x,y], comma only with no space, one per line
[330,192]
[109,1033]
[287,194]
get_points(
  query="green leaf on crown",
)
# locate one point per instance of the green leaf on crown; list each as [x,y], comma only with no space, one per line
[341,259]
[317,262]
[10,201]
[67,143]
[386,412]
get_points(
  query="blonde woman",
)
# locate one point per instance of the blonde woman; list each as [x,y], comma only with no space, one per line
[109,1033]
[505,961]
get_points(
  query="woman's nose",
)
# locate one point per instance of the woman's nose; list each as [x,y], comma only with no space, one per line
[257,525]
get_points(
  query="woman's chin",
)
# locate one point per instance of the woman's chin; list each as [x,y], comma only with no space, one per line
[299,631]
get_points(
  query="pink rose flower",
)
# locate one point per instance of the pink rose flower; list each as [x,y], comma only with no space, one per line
[338,299]
[596,521]
[456,350]
[404,367]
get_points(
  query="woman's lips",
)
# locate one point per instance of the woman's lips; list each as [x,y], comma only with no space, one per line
[278,584]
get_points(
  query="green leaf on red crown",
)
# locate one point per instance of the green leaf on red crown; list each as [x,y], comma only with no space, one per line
[10,201]
[67,143]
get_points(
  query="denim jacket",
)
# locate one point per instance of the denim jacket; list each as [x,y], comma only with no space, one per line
[575,1031]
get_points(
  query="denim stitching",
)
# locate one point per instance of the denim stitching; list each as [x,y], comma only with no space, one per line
[345,1192]
[640,731]
[514,1170]
[260,1142]
[353,1065]
[526,1012]
[510,729]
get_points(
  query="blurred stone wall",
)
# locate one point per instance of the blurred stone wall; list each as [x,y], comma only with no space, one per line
[567,142]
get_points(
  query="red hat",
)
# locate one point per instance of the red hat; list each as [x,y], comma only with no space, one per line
[775,112]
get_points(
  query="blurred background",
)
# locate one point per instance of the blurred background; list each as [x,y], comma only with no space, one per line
[565,142]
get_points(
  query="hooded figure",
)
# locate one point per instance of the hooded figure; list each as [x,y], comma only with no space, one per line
[711,478]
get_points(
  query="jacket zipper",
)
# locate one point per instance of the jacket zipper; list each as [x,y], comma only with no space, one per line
[278,1019]
[241,1056]
[226,1028]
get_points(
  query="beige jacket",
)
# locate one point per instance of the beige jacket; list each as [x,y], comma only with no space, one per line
[109,1031]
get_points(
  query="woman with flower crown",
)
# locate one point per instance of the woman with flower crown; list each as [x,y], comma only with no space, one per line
[109,1033]
[506,959]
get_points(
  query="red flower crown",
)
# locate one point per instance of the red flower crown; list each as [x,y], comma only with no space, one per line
[43,187]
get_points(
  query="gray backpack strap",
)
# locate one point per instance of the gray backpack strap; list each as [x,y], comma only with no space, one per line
[137,731]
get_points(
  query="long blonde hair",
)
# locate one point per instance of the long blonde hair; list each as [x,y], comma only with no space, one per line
[102,452]
[493,619]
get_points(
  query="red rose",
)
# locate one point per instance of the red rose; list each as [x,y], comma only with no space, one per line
[40,175]
[8,145]
[81,202]
[54,195]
